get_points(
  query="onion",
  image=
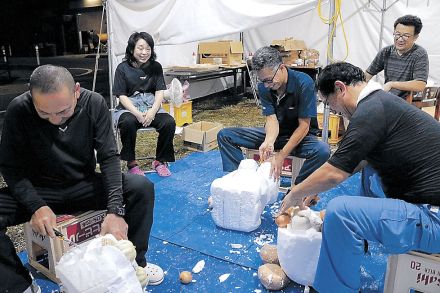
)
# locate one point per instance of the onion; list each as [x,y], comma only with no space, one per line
[282,220]
[185,277]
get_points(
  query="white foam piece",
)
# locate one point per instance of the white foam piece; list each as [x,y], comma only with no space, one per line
[298,253]
[239,198]
[198,267]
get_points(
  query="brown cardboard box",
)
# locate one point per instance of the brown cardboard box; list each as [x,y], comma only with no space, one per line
[44,252]
[201,136]
[230,52]
[290,49]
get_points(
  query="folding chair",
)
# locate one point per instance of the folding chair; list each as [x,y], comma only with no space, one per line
[430,97]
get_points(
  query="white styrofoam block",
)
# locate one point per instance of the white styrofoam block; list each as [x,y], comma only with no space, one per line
[239,198]
[298,252]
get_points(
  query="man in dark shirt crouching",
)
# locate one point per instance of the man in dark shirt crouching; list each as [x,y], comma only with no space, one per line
[389,134]
[47,158]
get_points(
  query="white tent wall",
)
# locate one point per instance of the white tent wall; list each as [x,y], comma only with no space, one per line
[178,25]
[362,22]
[176,22]
[362,25]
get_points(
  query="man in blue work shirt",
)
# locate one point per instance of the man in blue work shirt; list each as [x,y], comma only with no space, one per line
[288,99]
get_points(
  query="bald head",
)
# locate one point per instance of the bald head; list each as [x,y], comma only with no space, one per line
[50,78]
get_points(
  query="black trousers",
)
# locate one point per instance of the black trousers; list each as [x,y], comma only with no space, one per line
[138,194]
[164,124]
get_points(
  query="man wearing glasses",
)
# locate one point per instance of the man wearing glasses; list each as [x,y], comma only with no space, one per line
[405,63]
[384,130]
[288,101]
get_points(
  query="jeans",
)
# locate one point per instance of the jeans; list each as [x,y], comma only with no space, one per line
[138,193]
[399,226]
[230,140]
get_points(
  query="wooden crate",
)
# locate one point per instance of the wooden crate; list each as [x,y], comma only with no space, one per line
[44,252]
[413,270]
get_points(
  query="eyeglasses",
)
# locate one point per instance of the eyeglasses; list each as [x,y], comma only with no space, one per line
[269,80]
[404,37]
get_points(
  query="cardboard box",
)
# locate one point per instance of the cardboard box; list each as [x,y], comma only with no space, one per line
[290,49]
[182,114]
[291,165]
[44,252]
[230,52]
[417,271]
[201,136]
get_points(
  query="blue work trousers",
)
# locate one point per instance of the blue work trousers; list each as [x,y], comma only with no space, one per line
[230,140]
[349,220]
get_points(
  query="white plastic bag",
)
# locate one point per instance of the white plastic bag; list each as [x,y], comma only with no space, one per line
[92,267]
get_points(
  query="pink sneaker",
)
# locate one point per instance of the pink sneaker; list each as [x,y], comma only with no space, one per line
[136,170]
[161,169]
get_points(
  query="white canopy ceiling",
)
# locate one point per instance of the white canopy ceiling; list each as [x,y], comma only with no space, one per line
[178,25]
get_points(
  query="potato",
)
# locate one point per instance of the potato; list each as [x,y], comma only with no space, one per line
[272,277]
[269,254]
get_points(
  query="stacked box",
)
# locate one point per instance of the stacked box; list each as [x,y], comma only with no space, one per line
[44,252]
[230,52]
[290,49]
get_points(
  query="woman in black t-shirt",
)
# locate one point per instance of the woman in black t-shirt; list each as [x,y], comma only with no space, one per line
[139,84]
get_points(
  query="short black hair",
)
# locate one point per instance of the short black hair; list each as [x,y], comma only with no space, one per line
[266,57]
[131,44]
[342,71]
[50,78]
[410,20]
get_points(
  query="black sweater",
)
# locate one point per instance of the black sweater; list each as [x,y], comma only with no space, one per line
[34,152]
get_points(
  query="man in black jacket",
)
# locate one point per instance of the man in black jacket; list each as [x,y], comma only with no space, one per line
[47,158]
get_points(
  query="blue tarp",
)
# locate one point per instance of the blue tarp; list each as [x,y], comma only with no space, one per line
[184,233]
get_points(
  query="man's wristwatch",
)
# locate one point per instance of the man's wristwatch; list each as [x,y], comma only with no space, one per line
[118,210]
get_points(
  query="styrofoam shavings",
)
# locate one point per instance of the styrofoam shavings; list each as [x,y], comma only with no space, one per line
[199,198]
[165,272]
[223,277]
[234,251]
[236,246]
[257,249]
[193,281]
[198,267]
[237,287]
[165,242]
[257,291]
[263,239]
[254,274]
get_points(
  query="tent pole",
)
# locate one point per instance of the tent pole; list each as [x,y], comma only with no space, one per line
[109,54]
[382,20]
[331,27]
[98,50]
